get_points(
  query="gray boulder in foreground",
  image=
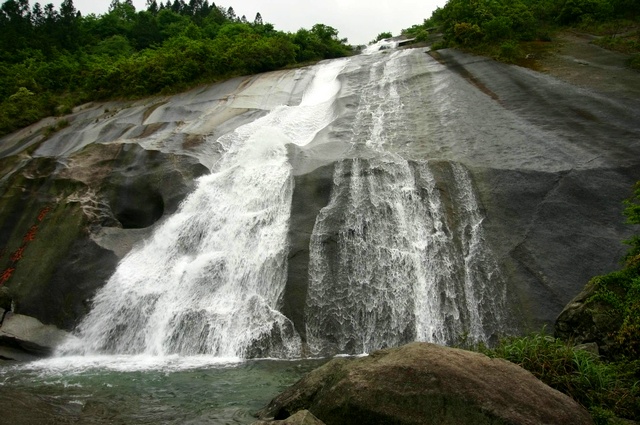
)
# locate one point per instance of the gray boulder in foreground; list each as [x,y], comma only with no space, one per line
[423,383]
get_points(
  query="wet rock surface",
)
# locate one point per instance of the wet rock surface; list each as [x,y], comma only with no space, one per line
[578,61]
[554,184]
[311,193]
[99,186]
[57,214]
[25,338]
[551,162]
[426,384]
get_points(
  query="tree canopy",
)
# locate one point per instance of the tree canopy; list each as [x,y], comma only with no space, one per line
[476,24]
[52,59]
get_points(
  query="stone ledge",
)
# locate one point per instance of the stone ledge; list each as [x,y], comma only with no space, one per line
[25,338]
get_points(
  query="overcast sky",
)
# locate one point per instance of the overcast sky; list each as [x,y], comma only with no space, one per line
[359,21]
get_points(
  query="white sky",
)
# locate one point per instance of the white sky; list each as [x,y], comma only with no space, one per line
[359,21]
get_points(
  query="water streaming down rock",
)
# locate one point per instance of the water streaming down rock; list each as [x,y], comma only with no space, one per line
[550,163]
[397,255]
[210,279]
[384,44]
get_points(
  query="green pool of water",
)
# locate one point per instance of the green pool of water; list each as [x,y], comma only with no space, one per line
[126,390]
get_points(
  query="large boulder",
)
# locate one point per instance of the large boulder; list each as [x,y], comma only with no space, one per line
[423,383]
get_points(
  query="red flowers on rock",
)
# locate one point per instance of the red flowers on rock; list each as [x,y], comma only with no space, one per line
[6,274]
[19,253]
[31,234]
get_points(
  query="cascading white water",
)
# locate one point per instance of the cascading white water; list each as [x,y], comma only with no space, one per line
[391,260]
[210,279]
[397,255]
[376,47]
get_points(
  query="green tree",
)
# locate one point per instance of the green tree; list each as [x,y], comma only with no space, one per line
[382,36]
[152,7]
[21,109]
[15,22]
[68,26]
[171,24]
[50,60]
[145,31]
[576,10]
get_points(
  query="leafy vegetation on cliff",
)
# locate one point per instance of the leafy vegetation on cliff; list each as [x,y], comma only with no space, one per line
[620,291]
[609,390]
[501,28]
[52,60]
[608,387]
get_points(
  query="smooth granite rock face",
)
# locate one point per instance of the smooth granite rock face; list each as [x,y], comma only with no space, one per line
[311,193]
[551,163]
[424,383]
[87,194]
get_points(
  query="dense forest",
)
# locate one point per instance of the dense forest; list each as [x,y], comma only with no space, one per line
[53,59]
[500,28]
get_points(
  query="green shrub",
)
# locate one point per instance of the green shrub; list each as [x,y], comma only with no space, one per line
[575,11]
[439,45]
[63,123]
[606,389]
[620,290]
[509,51]
[382,36]
[467,34]
[497,28]
[422,35]
[493,28]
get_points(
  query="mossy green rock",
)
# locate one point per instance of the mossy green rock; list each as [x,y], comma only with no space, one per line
[583,321]
[53,212]
[423,383]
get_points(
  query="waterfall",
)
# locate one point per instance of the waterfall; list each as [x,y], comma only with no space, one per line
[397,255]
[393,260]
[210,279]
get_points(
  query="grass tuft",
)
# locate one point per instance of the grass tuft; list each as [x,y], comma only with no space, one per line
[609,390]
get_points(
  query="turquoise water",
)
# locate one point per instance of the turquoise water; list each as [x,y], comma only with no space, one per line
[127,390]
